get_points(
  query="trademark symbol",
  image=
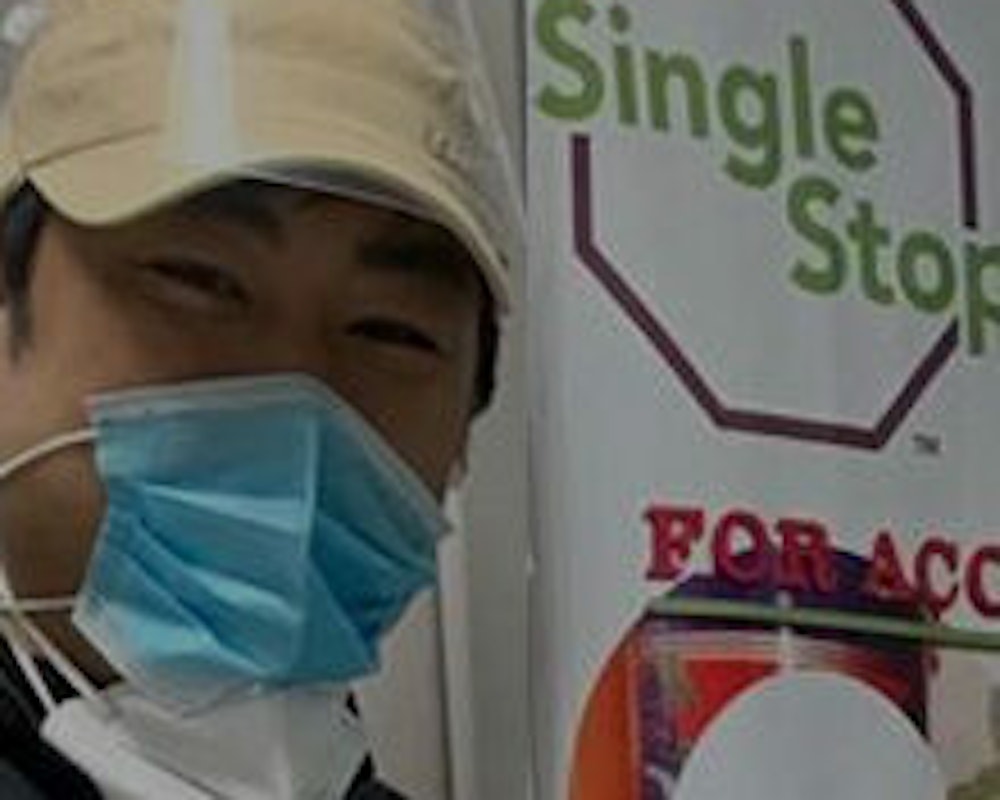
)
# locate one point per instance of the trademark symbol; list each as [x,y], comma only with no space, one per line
[926,444]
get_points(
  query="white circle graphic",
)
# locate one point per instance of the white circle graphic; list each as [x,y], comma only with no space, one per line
[812,736]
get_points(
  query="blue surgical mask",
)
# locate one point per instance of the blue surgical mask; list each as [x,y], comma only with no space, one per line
[258,534]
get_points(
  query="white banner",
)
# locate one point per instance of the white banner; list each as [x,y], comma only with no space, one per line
[765,306]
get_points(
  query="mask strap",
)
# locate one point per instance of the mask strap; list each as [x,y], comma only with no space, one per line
[23,635]
[19,647]
[73,675]
[45,449]
[26,629]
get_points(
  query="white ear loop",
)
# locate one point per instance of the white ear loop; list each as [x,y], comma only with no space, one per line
[45,449]
[19,647]
[73,675]
[21,633]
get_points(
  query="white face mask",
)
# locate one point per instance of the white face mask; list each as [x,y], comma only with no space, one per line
[299,744]
[294,744]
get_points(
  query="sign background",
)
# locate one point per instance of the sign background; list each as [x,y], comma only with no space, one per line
[615,430]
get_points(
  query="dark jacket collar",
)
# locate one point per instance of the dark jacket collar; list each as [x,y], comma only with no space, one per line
[22,751]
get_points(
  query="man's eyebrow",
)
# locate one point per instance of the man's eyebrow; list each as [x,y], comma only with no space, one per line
[239,206]
[438,259]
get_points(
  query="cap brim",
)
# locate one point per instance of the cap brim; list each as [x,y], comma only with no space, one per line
[124,179]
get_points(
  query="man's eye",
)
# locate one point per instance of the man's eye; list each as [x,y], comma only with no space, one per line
[199,277]
[395,332]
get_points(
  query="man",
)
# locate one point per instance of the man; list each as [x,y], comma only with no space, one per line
[253,253]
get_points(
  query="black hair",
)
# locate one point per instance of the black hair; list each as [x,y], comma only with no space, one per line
[23,218]
[22,222]
[487,355]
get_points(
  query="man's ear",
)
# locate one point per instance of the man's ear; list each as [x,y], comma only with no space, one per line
[460,466]
[456,475]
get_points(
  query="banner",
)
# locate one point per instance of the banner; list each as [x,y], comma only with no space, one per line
[765,327]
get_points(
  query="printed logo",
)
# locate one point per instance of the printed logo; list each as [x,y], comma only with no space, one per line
[790,179]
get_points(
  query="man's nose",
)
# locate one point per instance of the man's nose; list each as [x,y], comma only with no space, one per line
[298,343]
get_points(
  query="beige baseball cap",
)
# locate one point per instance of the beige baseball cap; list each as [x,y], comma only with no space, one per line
[119,107]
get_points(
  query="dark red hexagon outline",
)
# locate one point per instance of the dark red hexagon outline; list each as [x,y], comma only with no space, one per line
[817,431]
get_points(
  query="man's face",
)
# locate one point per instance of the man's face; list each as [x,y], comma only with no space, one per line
[382,308]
